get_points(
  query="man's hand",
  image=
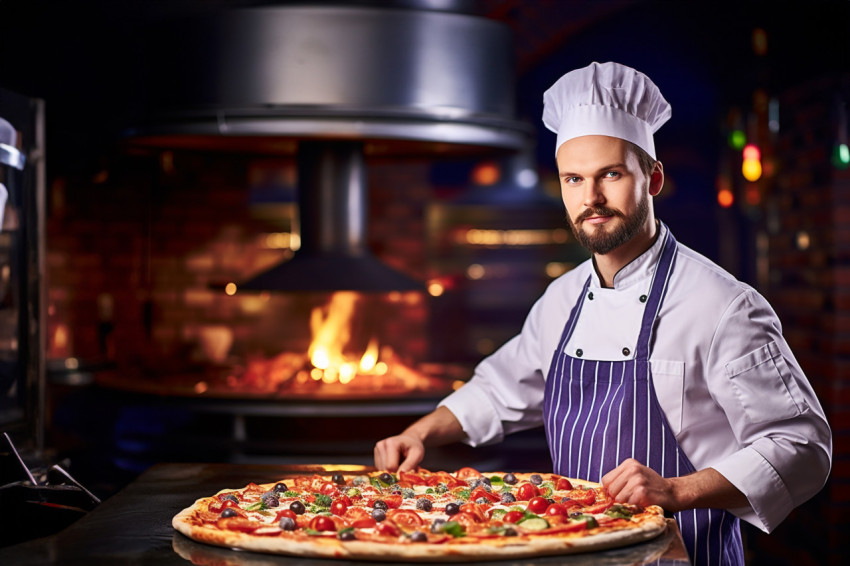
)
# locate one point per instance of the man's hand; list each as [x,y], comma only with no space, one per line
[402,452]
[632,482]
[405,451]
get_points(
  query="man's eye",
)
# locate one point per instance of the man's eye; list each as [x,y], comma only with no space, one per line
[612,174]
[572,180]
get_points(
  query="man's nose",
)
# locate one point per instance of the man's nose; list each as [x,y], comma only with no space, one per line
[592,194]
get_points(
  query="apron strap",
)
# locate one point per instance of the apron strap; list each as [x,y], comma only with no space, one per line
[658,288]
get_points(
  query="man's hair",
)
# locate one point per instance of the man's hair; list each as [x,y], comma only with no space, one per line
[646,162]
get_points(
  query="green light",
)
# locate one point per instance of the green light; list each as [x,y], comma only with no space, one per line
[737,139]
[841,156]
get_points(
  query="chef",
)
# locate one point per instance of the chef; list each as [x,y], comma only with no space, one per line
[653,370]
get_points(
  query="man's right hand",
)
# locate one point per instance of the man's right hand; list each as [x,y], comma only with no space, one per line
[406,450]
[403,452]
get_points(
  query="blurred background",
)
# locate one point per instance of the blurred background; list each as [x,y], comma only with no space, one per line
[276,232]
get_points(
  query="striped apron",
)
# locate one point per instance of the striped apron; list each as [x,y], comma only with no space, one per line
[598,413]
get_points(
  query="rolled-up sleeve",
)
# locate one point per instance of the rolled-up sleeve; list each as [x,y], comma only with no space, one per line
[786,442]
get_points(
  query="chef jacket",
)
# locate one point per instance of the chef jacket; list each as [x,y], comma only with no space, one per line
[729,386]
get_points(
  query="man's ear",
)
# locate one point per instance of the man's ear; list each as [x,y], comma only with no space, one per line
[656,179]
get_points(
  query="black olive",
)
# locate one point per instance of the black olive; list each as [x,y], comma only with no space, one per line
[509,479]
[437,525]
[338,479]
[346,535]
[418,536]
[510,532]
[380,504]
[271,501]
[535,479]
[482,501]
[386,478]
[379,514]
[280,488]
[297,507]
[452,509]
[287,524]
[228,513]
[508,498]
[230,497]
[485,481]
[424,504]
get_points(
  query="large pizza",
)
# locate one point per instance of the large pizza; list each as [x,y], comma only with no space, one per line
[425,516]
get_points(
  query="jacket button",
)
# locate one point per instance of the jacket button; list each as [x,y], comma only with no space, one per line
[579,352]
[626,351]
[643,298]
[590,295]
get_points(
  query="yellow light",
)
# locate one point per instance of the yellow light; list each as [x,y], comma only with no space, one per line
[230,289]
[751,169]
[320,358]
[435,289]
[316,374]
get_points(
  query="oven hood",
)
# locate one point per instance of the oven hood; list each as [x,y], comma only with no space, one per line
[388,80]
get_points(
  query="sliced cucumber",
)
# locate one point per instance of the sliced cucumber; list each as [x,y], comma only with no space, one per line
[533,524]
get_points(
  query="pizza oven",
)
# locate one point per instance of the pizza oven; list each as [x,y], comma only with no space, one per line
[282,300]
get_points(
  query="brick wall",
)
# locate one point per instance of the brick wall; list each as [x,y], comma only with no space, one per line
[137,256]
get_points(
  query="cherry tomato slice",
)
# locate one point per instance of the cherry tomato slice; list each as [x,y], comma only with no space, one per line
[481,492]
[563,484]
[393,501]
[386,528]
[556,509]
[538,505]
[466,518]
[322,523]
[359,518]
[338,507]
[526,491]
[512,516]
[405,518]
[583,496]
[329,489]
[466,473]
[412,479]
[285,513]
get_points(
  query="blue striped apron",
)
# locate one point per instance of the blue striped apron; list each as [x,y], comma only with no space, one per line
[598,413]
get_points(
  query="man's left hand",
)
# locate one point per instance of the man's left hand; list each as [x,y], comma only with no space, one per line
[632,482]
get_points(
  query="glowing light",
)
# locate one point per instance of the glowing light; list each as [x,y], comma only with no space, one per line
[844,153]
[320,358]
[803,240]
[737,139]
[486,173]
[230,289]
[475,271]
[752,151]
[435,289]
[725,198]
[557,268]
[201,387]
[527,178]
[751,169]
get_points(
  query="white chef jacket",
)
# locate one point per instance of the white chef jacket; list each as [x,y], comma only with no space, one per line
[729,386]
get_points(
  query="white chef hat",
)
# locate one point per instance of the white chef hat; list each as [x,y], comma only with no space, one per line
[606,99]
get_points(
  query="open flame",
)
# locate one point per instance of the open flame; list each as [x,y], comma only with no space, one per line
[331,330]
[336,364]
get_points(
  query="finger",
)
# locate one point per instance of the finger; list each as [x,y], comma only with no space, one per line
[414,455]
[386,455]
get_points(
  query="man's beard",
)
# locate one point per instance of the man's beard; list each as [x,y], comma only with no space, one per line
[602,243]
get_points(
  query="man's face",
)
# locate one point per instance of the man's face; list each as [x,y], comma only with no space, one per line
[604,190]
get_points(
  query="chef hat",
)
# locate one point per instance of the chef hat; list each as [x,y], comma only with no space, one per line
[606,99]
